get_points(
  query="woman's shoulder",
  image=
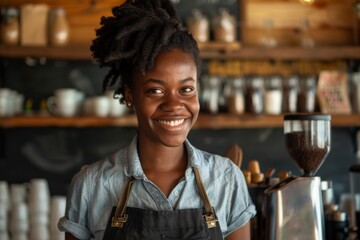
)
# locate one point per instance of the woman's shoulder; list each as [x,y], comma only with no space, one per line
[102,168]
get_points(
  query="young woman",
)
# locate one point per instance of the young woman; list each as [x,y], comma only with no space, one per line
[160,186]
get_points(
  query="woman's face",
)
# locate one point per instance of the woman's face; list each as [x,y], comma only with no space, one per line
[166,99]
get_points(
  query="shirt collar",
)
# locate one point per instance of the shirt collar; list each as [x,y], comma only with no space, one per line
[133,167]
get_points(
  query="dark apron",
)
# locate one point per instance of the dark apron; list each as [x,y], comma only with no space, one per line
[127,223]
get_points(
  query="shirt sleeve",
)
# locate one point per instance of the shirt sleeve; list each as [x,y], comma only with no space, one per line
[241,207]
[77,203]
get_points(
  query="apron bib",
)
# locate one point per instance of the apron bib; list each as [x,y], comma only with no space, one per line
[127,223]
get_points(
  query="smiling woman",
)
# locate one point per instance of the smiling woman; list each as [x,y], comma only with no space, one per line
[160,186]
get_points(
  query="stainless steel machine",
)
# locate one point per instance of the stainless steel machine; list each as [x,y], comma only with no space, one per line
[293,208]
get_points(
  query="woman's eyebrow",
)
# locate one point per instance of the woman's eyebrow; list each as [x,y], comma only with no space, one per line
[157,81]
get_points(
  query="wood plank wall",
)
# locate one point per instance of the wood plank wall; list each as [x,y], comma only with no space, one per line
[331,22]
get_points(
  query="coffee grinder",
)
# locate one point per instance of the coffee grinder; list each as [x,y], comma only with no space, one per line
[293,208]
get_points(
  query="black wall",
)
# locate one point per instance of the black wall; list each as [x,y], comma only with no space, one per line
[57,153]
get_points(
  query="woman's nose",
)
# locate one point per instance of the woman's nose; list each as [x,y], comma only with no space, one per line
[171,102]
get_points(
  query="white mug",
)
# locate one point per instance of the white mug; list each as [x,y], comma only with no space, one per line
[116,108]
[66,102]
[100,106]
[39,196]
[19,221]
[4,194]
[5,102]
[39,232]
[11,102]
[57,210]
[18,193]
[19,236]
[3,217]
[5,236]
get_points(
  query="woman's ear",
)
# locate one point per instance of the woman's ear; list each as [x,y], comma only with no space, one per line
[128,96]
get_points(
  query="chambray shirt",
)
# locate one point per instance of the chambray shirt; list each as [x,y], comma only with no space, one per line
[96,188]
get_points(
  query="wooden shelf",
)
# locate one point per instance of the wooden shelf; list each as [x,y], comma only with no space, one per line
[216,121]
[208,51]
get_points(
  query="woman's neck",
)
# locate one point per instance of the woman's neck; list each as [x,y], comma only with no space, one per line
[160,158]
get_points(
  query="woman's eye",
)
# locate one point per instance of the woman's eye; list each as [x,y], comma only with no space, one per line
[154,91]
[187,89]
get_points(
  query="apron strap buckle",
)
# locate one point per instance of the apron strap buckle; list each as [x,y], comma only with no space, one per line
[210,220]
[119,221]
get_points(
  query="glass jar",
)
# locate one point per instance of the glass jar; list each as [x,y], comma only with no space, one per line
[273,95]
[9,28]
[307,95]
[255,95]
[290,93]
[235,97]
[59,31]
[306,39]
[198,25]
[224,26]
[210,94]
[267,38]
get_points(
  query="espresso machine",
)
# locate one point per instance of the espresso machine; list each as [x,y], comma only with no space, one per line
[293,208]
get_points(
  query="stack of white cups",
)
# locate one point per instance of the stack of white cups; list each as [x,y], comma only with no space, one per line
[19,221]
[39,204]
[58,204]
[19,218]
[4,210]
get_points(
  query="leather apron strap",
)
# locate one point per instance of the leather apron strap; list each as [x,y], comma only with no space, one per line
[209,215]
[120,216]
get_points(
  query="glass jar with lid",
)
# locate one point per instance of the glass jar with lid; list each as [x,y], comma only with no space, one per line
[255,95]
[224,26]
[290,94]
[59,30]
[307,94]
[9,27]
[273,95]
[198,25]
[235,97]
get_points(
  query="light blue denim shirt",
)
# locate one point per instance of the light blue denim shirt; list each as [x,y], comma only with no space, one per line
[96,188]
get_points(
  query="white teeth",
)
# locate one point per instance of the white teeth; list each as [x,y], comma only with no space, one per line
[172,123]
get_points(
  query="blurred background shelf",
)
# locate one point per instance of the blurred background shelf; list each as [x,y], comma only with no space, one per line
[211,121]
[208,51]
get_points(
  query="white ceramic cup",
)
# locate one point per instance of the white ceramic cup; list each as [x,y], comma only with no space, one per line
[66,102]
[57,210]
[19,236]
[39,196]
[57,235]
[101,106]
[4,235]
[116,108]
[11,102]
[18,193]
[39,232]
[39,218]
[4,194]
[3,217]
[19,220]
[5,102]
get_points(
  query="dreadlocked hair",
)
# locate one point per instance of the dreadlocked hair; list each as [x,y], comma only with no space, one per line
[131,39]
